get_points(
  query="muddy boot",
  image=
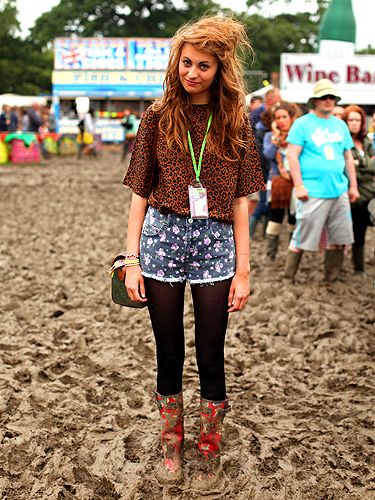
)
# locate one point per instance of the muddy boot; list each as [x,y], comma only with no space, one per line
[272,245]
[264,224]
[253,221]
[291,265]
[358,255]
[208,474]
[333,260]
[172,438]
[272,238]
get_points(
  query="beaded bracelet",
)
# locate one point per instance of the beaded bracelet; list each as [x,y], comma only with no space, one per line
[131,261]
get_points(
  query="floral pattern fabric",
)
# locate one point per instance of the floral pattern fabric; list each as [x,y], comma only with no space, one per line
[176,248]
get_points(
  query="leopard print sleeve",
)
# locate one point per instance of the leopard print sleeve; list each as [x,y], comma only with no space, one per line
[138,176]
[250,177]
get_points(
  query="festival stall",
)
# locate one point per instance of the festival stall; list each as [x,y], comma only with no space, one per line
[113,73]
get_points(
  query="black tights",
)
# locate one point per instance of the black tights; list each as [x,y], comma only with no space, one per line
[166,307]
[277,215]
[361,219]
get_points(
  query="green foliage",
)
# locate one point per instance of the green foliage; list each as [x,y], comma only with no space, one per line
[116,18]
[271,36]
[8,17]
[369,50]
[24,68]
[26,65]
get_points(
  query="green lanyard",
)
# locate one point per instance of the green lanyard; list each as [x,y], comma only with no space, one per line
[197,170]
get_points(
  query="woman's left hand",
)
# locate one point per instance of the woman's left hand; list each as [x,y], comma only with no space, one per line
[239,292]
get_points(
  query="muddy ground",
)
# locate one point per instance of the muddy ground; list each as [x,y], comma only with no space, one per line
[77,372]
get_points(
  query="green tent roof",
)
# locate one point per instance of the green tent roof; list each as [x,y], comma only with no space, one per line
[338,22]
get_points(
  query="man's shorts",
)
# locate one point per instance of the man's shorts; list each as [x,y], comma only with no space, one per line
[174,248]
[315,213]
[253,196]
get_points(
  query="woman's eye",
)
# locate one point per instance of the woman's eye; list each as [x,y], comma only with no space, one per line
[204,66]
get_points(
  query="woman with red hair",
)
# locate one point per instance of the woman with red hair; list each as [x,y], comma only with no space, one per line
[363,155]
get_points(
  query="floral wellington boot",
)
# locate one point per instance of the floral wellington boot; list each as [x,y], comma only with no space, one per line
[172,437]
[208,473]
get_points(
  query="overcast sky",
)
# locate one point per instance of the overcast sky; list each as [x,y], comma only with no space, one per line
[31,10]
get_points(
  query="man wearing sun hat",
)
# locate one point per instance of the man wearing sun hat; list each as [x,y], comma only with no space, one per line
[321,164]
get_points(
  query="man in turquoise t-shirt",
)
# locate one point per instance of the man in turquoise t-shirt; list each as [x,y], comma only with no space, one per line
[321,164]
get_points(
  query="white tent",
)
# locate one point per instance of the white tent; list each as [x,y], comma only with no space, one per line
[21,100]
[259,92]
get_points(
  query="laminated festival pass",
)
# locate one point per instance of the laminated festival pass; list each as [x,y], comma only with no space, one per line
[198,201]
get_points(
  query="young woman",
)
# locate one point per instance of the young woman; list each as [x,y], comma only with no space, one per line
[275,150]
[363,155]
[193,227]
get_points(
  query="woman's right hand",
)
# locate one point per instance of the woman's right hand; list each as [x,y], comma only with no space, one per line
[135,284]
[274,129]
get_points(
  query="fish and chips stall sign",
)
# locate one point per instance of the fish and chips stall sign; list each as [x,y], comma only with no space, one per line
[353,77]
[108,68]
[111,53]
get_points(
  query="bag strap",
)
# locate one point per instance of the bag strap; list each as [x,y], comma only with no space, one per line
[118,261]
[154,162]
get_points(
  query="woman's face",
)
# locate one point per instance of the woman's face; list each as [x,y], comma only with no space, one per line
[197,71]
[283,120]
[354,122]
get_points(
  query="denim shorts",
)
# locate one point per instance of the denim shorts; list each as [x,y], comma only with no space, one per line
[176,248]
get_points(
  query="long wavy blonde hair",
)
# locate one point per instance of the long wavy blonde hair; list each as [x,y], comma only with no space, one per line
[220,37]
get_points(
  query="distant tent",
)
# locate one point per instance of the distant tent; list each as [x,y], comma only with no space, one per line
[21,100]
[261,92]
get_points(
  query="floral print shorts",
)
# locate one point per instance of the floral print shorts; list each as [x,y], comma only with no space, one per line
[176,248]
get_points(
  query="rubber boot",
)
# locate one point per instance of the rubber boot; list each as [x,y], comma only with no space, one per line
[291,265]
[172,437]
[272,238]
[333,260]
[358,255]
[253,221]
[265,224]
[209,473]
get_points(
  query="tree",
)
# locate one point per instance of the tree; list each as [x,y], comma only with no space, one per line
[116,18]
[8,18]
[24,68]
[284,33]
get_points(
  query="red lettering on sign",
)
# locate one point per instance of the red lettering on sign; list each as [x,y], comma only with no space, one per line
[366,77]
[334,77]
[352,74]
[319,75]
[295,70]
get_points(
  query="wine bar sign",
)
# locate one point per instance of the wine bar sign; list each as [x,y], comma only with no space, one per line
[353,77]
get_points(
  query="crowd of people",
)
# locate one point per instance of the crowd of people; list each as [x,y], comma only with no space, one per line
[30,119]
[318,163]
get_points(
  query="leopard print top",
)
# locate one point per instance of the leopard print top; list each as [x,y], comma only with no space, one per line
[223,180]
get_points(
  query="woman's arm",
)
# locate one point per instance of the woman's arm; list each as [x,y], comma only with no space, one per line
[133,278]
[351,175]
[294,152]
[269,149]
[240,288]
